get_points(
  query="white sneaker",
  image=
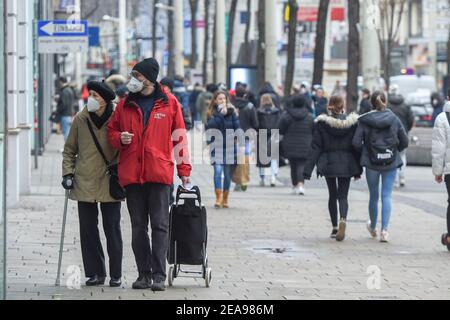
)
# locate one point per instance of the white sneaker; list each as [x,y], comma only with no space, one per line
[296,191]
[301,191]
[262,183]
[384,236]
[402,182]
[373,232]
[273,182]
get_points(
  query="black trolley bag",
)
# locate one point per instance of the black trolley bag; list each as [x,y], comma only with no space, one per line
[188,235]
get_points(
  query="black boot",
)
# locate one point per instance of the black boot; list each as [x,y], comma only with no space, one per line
[95,281]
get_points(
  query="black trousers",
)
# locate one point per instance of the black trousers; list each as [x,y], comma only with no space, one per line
[297,170]
[91,246]
[338,193]
[149,203]
[447,184]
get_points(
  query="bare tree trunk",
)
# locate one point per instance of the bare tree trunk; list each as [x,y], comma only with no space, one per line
[353,56]
[170,39]
[248,22]
[194,7]
[261,42]
[206,44]
[448,53]
[215,48]
[154,25]
[319,51]
[391,13]
[293,7]
[231,19]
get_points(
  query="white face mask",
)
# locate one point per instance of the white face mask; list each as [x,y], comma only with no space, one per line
[135,85]
[93,105]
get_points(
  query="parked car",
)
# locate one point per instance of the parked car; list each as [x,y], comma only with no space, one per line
[423,115]
[419,150]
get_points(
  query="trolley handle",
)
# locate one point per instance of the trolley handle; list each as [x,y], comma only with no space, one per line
[195,190]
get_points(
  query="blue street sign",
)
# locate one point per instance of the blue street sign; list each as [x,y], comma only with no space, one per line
[63,28]
[94,36]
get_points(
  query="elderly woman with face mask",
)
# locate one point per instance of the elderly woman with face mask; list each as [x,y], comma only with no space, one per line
[84,173]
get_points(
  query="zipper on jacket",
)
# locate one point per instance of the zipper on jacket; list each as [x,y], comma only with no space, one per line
[157,106]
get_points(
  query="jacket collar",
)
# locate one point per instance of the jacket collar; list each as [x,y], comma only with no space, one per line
[337,123]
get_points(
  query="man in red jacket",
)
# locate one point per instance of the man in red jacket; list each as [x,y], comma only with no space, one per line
[148,128]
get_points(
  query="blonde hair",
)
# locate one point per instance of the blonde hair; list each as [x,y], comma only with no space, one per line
[266,100]
[212,103]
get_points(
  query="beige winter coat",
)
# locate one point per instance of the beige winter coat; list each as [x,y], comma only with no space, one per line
[81,158]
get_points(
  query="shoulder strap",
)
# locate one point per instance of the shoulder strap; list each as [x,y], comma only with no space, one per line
[448,117]
[97,144]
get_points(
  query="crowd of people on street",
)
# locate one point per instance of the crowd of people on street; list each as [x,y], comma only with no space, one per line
[126,130]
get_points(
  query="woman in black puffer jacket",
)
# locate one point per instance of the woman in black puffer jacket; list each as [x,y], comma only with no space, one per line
[296,127]
[336,160]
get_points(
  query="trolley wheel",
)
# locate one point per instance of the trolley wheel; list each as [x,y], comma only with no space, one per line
[208,277]
[171,275]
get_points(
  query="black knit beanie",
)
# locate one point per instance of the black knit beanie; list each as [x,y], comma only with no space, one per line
[102,89]
[149,68]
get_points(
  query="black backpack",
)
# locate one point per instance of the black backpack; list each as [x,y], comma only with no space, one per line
[382,146]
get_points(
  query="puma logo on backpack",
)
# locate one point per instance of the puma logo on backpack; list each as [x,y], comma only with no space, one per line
[382,146]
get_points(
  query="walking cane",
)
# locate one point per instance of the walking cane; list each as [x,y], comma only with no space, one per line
[61,246]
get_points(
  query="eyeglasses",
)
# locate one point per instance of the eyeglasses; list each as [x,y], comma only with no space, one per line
[138,75]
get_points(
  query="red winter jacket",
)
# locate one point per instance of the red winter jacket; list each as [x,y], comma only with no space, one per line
[150,156]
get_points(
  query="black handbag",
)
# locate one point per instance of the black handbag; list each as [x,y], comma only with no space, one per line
[55,117]
[116,191]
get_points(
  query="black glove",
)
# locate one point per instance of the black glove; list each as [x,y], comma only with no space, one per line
[67,182]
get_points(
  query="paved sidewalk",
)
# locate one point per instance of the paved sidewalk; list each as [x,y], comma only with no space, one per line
[268,245]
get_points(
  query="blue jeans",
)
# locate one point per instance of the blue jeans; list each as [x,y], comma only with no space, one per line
[387,184]
[227,171]
[66,122]
[273,169]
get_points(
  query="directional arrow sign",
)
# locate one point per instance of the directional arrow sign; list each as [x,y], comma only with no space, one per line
[62,36]
[62,28]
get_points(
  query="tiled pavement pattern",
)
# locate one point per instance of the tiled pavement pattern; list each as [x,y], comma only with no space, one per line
[268,245]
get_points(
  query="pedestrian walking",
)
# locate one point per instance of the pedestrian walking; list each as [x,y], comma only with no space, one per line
[320,102]
[268,118]
[438,105]
[406,116]
[440,152]
[193,102]
[380,137]
[296,126]
[64,108]
[267,88]
[146,127]
[169,85]
[222,123]
[336,160]
[248,120]
[204,100]
[83,170]
[364,105]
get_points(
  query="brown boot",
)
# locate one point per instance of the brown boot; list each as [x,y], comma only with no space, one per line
[225,199]
[218,199]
